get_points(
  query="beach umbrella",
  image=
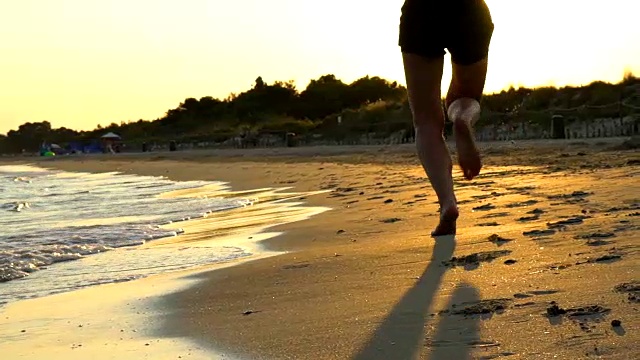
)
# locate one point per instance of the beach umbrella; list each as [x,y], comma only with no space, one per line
[111,136]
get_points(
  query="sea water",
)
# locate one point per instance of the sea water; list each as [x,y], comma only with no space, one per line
[61,231]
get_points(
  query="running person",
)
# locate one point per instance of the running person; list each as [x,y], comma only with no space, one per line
[427,28]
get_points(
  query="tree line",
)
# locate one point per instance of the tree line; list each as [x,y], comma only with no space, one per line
[331,109]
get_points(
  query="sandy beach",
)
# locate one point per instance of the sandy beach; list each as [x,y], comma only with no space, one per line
[545,264]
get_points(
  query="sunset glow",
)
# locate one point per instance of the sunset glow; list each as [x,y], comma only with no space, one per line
[79,63]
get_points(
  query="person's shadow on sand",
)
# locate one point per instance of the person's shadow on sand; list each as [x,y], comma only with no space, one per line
[401,334]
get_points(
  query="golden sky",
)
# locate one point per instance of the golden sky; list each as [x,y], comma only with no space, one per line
[78,63]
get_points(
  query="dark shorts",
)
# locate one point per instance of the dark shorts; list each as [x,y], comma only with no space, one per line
[464,27]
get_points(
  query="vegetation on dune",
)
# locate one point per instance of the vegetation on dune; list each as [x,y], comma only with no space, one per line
[331,110]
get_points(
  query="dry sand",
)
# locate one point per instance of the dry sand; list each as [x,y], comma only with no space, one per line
[545,259]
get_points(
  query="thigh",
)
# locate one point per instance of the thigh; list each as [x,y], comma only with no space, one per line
[424,76]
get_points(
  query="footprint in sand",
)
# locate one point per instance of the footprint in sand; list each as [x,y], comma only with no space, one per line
[582,316]
[288,182]
[345,190]
[472,261]
[609,258]
[533,293]
[564,223]
[391,192]
[632,289]
[390,220]
[625,226]
[535,215]
[498,240]
[522,204]
[539,233]
[486,196]
[622,208]
[529,218]
[536,212]
[495,215]
[481,184]
[489,224]
[596,239]
[484,207]
[482,307]
[573,198]
[295,266]
[521,189]
[375,198]
[588,311]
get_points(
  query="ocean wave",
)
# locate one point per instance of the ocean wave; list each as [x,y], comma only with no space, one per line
[59,203]
[16,206]
[26,253]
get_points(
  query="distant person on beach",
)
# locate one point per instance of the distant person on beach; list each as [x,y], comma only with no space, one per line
[427,28]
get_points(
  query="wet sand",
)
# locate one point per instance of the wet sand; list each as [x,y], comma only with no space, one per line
[544,265]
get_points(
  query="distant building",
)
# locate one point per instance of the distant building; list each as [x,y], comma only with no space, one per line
[603,127]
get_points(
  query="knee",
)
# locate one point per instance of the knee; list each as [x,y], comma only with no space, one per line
[428,118]
[428,127]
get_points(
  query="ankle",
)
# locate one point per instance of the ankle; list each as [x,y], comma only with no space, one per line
[449,213]
[448,205]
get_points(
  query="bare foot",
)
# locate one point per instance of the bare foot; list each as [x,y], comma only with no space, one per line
[468,154]
[447,225]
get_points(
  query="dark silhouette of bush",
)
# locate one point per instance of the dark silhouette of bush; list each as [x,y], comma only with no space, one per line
[333,111]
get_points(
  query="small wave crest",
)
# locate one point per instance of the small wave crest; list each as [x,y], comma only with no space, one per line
[27,253]
[15,206]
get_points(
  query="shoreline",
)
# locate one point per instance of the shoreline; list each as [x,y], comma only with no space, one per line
[238,226]
[343,288]
[244,227]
